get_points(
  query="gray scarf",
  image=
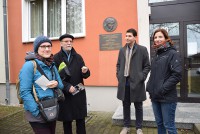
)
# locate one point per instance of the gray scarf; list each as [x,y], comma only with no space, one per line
[128,60]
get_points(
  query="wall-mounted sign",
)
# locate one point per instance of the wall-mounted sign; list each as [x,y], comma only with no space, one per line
[110,24]
[110,41]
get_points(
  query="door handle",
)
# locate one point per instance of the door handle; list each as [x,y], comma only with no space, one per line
[186,67]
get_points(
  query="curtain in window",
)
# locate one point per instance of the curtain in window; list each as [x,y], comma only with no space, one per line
[54,18]
[36,18]
[74,16]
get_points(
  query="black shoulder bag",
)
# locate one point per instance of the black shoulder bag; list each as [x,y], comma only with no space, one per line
[49,107]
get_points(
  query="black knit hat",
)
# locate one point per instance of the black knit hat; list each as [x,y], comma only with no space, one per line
[66,36]
[39,40]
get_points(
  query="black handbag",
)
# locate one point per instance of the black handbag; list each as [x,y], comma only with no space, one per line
[49,109]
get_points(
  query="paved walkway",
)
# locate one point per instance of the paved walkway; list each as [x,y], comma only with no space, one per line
[97,123]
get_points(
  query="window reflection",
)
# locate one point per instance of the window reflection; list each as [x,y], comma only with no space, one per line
[155,1]
[193,82]
[193,39]
[193,54]
[172,28]
[74,16]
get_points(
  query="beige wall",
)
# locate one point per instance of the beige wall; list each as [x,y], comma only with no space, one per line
[2,58]
[143,29]
[143,23]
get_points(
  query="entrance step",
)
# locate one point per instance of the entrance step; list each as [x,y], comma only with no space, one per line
[187,114]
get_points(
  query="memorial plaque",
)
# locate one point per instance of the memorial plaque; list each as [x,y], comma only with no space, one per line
[110,24]
[110,41]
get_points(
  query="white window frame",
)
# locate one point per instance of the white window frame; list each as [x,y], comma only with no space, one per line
[26,27]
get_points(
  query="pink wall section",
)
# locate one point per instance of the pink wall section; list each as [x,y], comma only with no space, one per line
[102,64]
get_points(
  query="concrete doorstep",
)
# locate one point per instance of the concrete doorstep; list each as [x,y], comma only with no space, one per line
[196,128]
[187,116]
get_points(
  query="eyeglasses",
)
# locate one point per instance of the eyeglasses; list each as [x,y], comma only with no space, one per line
[44,47]
[67,41]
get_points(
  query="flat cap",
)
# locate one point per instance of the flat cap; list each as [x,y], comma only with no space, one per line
[66,36]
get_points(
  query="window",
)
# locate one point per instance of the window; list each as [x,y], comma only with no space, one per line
[193,40]
[52,18]
[155,1]
[172,28]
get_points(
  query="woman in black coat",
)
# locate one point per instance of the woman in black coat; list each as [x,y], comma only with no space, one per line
[165,74]
[75,106]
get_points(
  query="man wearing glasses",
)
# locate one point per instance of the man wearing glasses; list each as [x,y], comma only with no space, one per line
[74,107]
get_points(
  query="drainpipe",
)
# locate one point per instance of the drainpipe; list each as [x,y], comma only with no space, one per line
[7,99]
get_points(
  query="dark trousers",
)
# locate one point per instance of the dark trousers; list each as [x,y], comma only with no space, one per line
[80,127]
[43,128]
[127,110]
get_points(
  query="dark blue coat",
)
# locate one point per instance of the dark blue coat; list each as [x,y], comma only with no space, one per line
[166,72]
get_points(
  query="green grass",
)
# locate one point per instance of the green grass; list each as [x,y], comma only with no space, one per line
[8,110]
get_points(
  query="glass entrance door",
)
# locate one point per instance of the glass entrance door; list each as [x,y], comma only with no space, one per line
[192,59]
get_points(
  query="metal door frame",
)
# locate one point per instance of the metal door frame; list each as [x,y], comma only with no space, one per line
[185,97]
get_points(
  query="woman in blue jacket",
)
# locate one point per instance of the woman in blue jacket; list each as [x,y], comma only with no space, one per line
[27,76]
[166,72]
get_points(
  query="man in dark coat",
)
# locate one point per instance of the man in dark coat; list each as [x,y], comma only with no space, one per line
[133,67]
[74,107]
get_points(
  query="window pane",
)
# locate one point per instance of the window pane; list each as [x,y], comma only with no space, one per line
[193,82]
[193,54]
[155,1]
[193,39]
[36,18]
[172,28]
[54,18]
[74,16]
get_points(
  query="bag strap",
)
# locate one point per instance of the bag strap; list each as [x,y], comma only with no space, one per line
[42,72]
[34,92]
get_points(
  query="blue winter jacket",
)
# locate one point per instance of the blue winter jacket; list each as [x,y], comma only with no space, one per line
[28,78]
[166,72]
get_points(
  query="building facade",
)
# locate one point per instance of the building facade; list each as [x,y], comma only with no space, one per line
[99,28]
[85,19]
